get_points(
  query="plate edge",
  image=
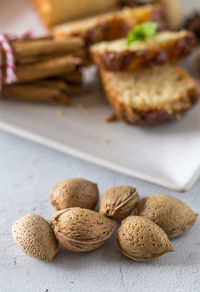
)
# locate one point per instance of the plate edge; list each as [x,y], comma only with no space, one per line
[95,160]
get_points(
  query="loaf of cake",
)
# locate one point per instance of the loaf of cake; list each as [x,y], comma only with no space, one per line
[166,46]
[150,96]
[110,26]
[57,11]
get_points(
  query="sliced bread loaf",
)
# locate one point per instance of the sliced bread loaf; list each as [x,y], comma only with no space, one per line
[150,96]
[166,46]
[57,11]
[172,8]
[110,26]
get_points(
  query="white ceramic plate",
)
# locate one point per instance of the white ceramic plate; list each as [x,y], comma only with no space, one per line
[168,155]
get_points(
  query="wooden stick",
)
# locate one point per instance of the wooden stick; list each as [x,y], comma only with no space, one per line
[35,93]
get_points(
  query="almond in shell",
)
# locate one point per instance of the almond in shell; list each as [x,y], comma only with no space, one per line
[81,230]
[142,240]
[171,214]
[75,192]
[34,235]
[118,202]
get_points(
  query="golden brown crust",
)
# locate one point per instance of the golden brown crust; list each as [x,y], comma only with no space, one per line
[116,26]
[128,60]
[149,117]
[109,30]
[53,12]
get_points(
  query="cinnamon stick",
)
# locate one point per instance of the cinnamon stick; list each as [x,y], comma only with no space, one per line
[44,47]
[53,83]
[75,89]
[63,86]
[35,93]
[46,69]
[36,50]
[35,59]
[73,77]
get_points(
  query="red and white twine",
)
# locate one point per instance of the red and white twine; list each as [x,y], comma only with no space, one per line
[5,47]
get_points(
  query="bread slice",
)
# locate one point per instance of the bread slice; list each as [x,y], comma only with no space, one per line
[172,8]
[150,96]
[56,11]
[166,46]
[110,26]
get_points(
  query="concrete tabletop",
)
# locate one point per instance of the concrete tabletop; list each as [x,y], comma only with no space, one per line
[27,173]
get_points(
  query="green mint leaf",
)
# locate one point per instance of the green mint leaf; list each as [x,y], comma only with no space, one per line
[142,31]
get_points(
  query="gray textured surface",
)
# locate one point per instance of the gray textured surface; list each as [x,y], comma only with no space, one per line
[27,173]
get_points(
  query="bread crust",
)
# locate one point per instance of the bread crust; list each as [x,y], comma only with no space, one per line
[54,12]
[149,117]
[173,51]
[116,26]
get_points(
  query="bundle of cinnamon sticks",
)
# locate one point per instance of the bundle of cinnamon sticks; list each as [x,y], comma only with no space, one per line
[47,70]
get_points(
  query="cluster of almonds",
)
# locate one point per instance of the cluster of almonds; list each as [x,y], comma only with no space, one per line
[142,237]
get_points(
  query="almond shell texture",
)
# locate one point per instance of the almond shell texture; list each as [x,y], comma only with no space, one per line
[34,235]
[171,214]
[75,192]
[81,230]
[142,240]
[118,202]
